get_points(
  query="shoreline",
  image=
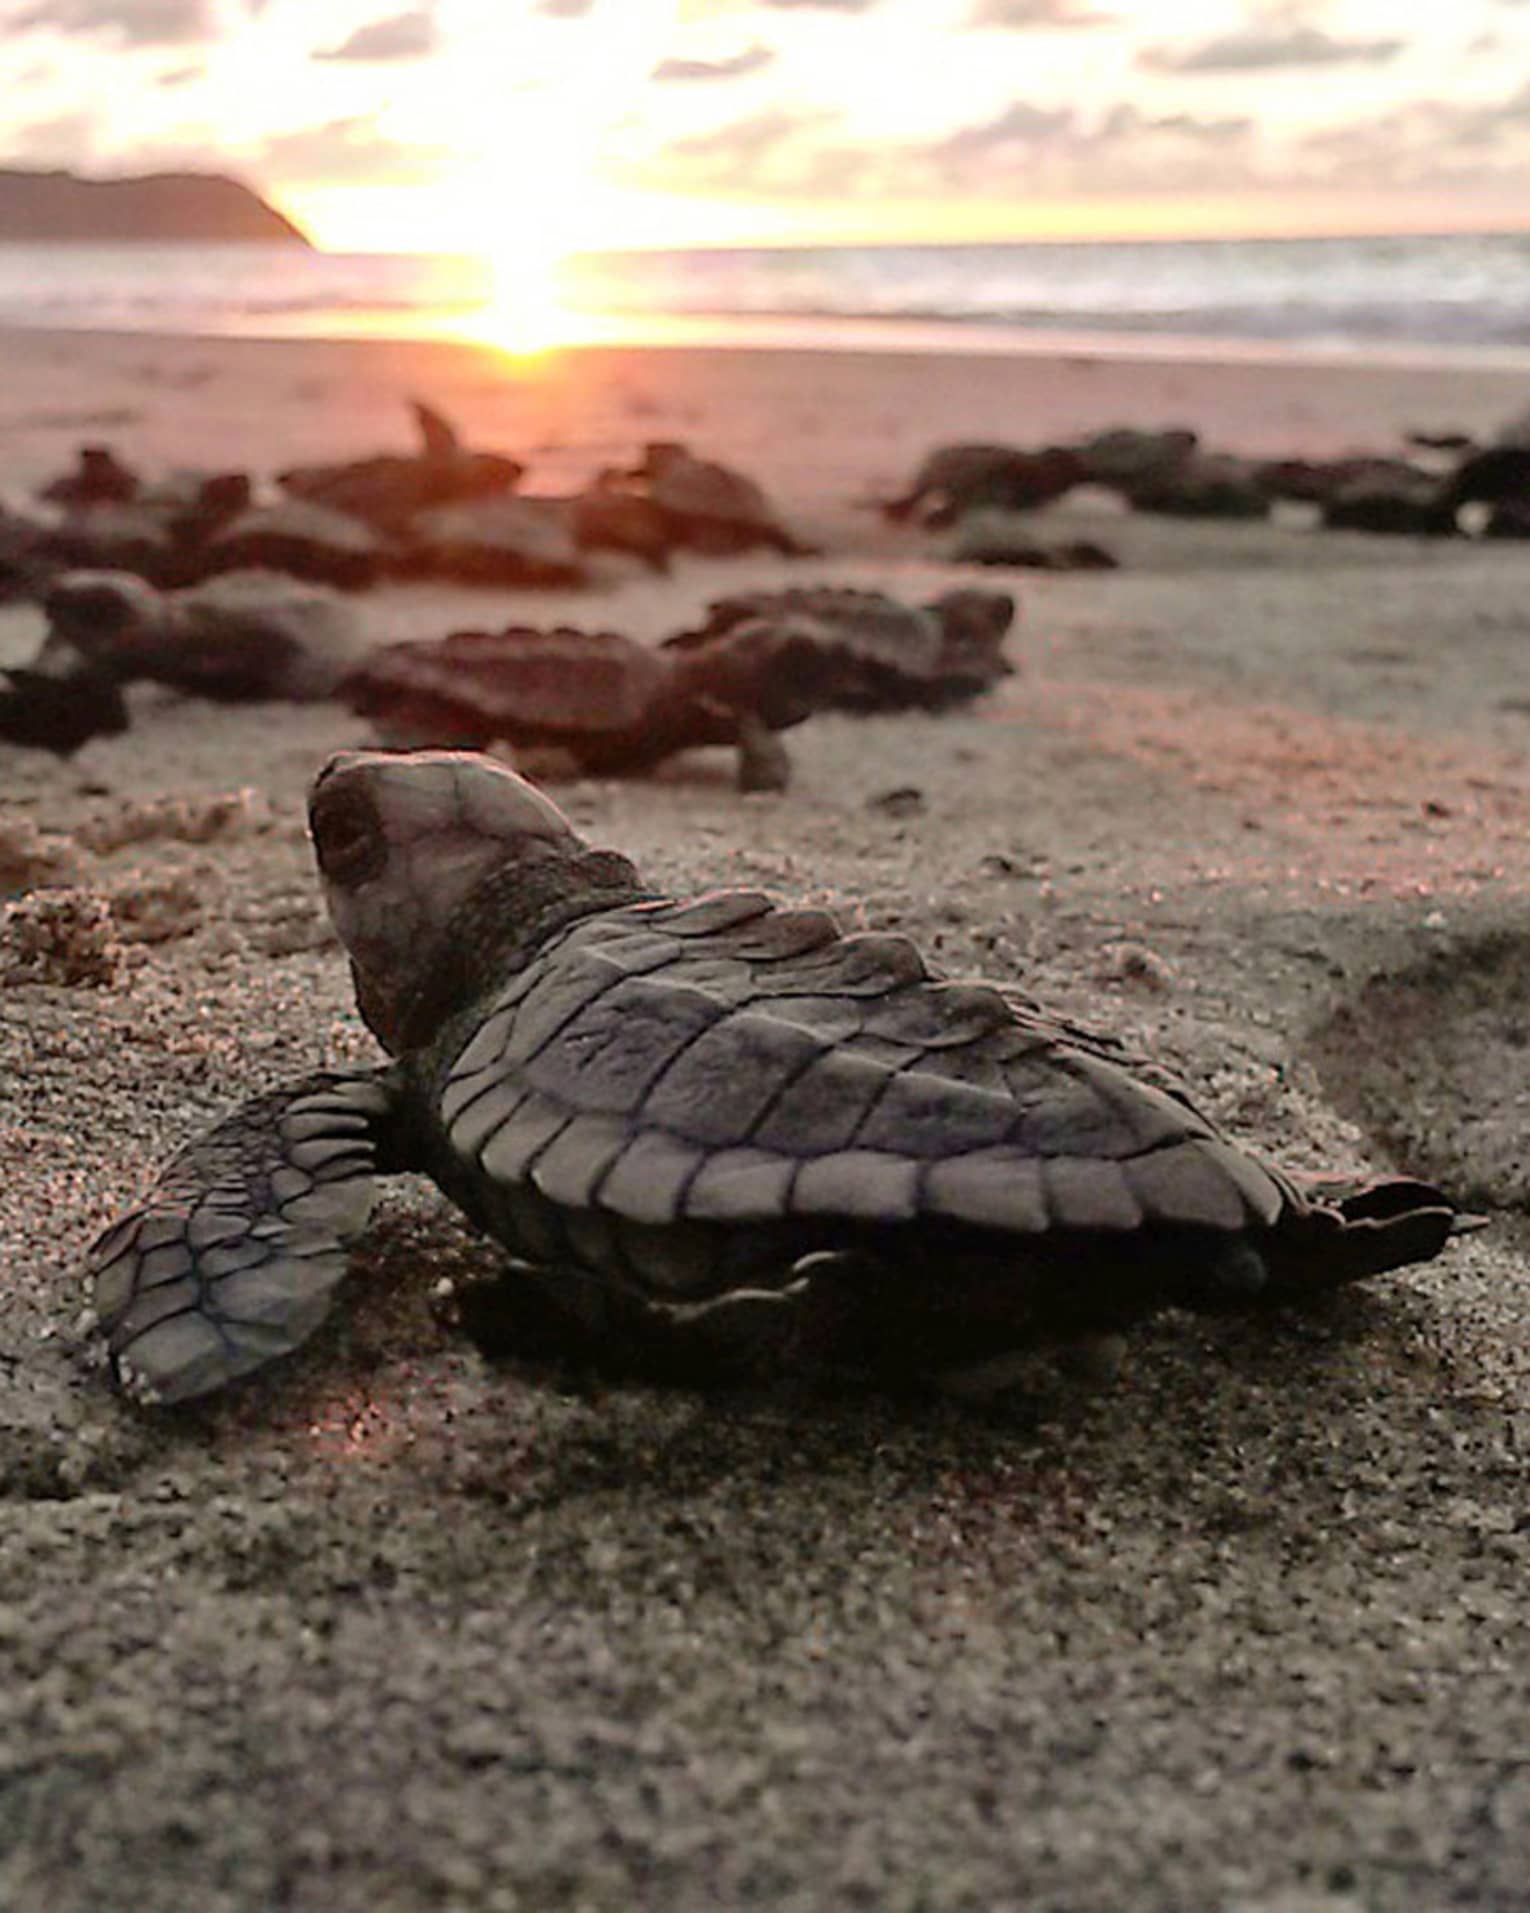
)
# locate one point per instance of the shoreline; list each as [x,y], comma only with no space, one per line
[821,430]
[1425,298]
[835,335]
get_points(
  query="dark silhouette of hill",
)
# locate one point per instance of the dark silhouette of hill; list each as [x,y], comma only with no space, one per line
[158,206]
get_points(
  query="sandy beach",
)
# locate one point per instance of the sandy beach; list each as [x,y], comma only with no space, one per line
[403,1628]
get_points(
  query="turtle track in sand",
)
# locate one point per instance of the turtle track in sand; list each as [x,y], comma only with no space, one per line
[1433,1061]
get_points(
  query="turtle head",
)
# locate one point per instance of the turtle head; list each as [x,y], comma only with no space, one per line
[402,840]
[972,629]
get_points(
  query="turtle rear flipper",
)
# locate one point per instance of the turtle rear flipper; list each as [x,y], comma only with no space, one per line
[235,1256]
[1350,1232]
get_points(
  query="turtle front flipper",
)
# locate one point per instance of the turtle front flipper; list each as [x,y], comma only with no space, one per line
[763,763]
[235,1255]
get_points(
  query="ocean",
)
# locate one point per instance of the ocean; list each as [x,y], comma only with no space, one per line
[1460,296]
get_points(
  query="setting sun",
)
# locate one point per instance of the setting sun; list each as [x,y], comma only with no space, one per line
[526,201]
[523,315]
[532,126]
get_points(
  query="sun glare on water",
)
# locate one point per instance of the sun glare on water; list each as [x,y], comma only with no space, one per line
[534,187]
[525,314]
[529,200]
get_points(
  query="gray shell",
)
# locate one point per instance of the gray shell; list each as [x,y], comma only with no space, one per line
[523,683]
[733,1062]
[866,625]
[307,540]
[503,539]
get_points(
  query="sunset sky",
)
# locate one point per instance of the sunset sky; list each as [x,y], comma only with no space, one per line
[473,124]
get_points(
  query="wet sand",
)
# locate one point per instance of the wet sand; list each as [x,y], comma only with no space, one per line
[402,1628]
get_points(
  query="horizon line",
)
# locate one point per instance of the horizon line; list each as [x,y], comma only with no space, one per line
[820,244]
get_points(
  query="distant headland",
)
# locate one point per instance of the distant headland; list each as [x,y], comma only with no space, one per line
[164,207]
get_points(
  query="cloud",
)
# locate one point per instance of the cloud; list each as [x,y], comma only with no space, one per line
[564,9]
[402,36]
[751,60]
[1125,122]
[132,23]
[1265,49]
[1024,148]
[1433,143]
[347,152]
[1061,149]
[748,138]
[762,151]
[61,140]
[1019,123]
[181,75]
[1038,14]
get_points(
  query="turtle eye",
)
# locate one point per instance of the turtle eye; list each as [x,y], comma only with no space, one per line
[347,839]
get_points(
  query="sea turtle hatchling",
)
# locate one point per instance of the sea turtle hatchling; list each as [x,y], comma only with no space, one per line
[241,635]
[867,651]
[613,705]
[722,1121]
[708,507]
